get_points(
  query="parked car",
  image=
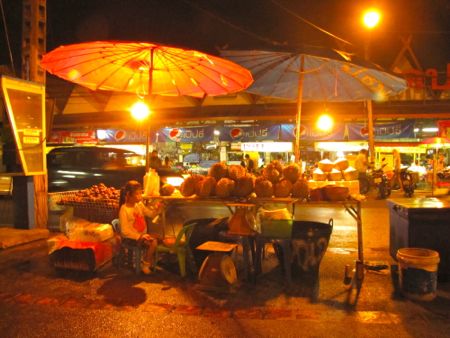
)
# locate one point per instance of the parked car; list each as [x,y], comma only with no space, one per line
[73,168]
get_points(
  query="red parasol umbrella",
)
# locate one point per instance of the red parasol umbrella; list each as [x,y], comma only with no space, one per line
[437,142]
[146,69]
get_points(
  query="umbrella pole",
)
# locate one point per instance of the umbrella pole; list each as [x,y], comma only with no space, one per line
[299,109]
[150,90]
[147,147]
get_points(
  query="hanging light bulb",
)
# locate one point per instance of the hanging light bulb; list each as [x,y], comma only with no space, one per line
[140,111]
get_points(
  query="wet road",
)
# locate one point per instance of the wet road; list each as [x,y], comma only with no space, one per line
[35,301]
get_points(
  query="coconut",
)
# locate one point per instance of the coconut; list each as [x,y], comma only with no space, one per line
[206,187]
[341,164]
[278,166]
[334,175]
[300,189]
[319,175]
[350,174]
[167,190]
[225,187]
[188,187]
[325,165]
[283,188]
[236,171]
[263,187]
[244,186]
[271,173]
[218,170]
[292,172]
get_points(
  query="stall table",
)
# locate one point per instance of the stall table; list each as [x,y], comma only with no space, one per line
[353,207]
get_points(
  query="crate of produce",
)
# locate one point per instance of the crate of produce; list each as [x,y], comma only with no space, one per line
[96,204]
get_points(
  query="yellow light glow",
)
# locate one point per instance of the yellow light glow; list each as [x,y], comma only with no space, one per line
[371,18]
[175,181]
[325,123]
[140,111]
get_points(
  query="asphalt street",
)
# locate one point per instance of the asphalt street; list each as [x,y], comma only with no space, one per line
[37,301]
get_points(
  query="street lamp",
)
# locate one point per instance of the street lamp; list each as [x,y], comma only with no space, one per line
[371,18]
[141,112]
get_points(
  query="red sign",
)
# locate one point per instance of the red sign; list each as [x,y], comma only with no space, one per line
[78,137]
[417,78]
[444,128]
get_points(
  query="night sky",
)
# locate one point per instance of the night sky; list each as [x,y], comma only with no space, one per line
[207,25]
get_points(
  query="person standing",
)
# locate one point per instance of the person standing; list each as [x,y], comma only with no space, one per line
[397,164]
[155,161]
[440,162]
[362,162]
[167,162]
[249,164]
[361,165]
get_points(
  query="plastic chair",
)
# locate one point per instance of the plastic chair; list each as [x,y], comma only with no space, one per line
[179,246]
[129,249]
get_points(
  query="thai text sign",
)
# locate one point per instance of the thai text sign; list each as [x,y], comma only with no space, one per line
[249,133]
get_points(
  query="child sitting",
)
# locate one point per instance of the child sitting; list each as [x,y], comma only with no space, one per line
[133,226]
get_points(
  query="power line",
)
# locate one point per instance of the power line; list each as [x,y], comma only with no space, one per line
[232,25]
[310,23]
[7,39]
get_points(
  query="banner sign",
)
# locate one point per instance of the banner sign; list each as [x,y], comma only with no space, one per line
[349,132]
[185,135]
[385,131]
[309,133]
[77,137]
[122,136]
[250,133]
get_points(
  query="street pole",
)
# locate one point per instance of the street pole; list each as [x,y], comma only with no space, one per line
[301,76]
[150,90]
[370,131]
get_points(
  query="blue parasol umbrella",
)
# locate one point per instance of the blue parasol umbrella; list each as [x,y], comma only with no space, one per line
[315,74]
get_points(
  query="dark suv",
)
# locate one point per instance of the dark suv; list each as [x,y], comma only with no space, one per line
[72,168]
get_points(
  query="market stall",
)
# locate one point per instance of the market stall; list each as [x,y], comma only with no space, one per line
[352,206]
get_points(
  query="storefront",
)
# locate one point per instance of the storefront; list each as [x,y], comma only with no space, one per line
[264,142]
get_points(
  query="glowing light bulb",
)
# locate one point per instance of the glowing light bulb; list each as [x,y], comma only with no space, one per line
[371,18]
[140,111]
[324,123]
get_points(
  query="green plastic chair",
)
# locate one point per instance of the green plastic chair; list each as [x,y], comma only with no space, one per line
[179,246]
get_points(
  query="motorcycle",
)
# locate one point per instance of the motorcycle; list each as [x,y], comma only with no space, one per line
[407,182]
[375,178]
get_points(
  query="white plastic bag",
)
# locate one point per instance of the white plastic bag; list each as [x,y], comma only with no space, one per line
[151,183]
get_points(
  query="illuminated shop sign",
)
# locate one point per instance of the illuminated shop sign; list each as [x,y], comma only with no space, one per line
[25,106]
[267,147]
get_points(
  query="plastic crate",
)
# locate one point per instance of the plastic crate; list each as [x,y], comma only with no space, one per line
[272,228]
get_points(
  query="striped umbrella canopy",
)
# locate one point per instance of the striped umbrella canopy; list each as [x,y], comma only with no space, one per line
[315,74]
